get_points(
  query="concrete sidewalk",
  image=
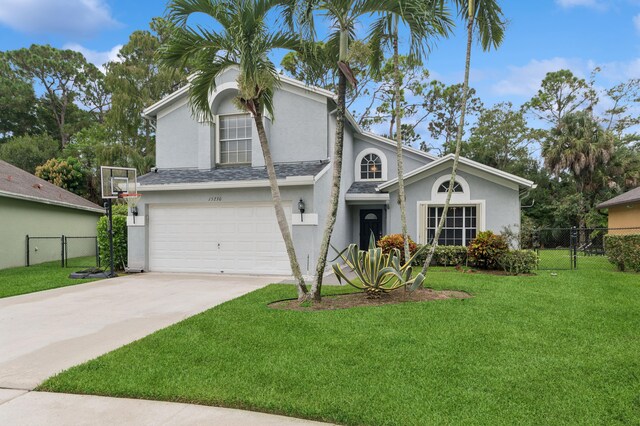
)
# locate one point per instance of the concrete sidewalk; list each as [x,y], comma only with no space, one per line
[57,409]
[49,331]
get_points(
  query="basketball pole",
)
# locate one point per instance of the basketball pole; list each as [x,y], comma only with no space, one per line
[110,232]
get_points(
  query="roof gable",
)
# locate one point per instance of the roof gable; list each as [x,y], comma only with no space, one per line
[16,183]
[474,167]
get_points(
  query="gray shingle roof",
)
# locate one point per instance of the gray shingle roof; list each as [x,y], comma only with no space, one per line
[628,197]
[15,182]
[363,188]
[227,174]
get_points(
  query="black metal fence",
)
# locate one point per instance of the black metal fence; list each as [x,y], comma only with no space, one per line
[573,248]
[72,251]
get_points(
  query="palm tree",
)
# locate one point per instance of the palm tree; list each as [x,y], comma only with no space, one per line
[386,31]
[581,146]
[486,17]
[345,16]
[244,41]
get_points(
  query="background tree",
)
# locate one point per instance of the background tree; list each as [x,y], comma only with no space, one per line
[561,93]
[381,105]
[502,139]
[135,82]
[578,145]
[67,173]
[445,105]
[17,102]
[62,74]
[27,152]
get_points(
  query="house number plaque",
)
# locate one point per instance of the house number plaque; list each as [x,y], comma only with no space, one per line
[215,199]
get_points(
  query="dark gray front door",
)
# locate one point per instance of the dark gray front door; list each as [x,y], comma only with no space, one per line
[370,221]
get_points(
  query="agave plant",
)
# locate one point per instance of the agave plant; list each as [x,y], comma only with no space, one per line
[377,272]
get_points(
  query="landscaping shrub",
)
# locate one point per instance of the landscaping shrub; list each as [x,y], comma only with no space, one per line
[119,238]
[450,255]
[119,210]
[486,249]
[395,241]
[624,251]
[518,262]
[443,256]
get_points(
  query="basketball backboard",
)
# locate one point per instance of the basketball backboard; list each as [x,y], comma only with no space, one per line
[117,181]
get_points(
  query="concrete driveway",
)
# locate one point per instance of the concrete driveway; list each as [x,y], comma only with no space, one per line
[44,333]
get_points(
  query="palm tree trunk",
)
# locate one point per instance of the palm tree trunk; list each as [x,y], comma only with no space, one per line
[454,169]
[335,188]
[277,205]
[402,200]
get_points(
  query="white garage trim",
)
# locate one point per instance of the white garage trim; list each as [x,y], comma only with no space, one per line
[234,238]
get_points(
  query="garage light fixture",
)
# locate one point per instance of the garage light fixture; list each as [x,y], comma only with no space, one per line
[301,208]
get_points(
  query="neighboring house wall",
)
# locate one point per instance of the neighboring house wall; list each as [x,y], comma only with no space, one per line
[21,218]
[625,216]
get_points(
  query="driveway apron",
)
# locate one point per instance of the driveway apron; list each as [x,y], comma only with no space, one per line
[46,332]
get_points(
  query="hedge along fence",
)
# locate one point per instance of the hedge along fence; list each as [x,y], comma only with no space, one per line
[624,251]
[119,238]
[517,262]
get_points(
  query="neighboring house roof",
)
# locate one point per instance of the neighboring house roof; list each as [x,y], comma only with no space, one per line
[293,173]
[16,183]
[429,168]
[153,110]
[632,196]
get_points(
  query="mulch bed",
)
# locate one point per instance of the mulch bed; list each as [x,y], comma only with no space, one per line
[352,300]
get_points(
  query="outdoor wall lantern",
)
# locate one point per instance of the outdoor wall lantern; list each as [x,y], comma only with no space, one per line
[134,210]
[301,207]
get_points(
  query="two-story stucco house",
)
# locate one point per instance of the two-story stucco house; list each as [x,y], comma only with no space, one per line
[207,207]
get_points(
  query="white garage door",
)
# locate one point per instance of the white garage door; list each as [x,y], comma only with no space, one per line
[234,239]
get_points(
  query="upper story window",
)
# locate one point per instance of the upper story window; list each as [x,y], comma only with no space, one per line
[444,187]
[370,167]
[235,139]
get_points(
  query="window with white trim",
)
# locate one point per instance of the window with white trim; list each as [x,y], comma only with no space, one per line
[235,139]
[370,167]
[460,226]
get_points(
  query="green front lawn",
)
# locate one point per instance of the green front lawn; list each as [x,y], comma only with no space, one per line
[524,350]
[45,276]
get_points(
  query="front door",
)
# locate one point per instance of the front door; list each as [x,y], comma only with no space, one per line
[370,222]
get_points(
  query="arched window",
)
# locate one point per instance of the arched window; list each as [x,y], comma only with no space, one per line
[370,167]
[444,187]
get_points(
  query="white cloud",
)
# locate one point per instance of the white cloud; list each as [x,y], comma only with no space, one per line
[96,57]
[594,4]
[525,80]
[620,71]
[636,22]
[67,17]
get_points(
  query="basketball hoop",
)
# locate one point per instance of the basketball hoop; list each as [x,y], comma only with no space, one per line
[132,201]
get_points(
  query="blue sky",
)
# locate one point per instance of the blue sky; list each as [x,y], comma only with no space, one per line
[543,36]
